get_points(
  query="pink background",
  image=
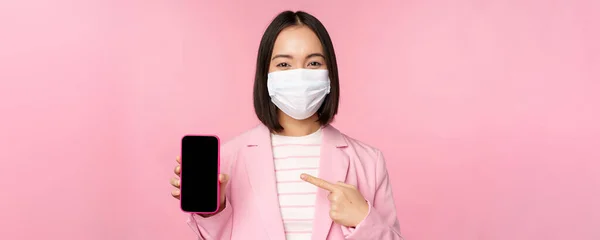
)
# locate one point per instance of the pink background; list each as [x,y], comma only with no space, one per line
[487,111]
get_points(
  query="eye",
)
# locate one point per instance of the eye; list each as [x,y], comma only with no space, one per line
[283,65]
[315,64]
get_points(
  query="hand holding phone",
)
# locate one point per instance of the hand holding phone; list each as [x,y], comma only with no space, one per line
[201,186]
[223,180]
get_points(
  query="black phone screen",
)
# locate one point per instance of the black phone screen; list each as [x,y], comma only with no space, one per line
[199,174]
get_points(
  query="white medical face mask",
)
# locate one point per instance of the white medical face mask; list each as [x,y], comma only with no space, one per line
[299,93]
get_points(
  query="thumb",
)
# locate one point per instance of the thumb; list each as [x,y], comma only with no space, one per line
[223,179]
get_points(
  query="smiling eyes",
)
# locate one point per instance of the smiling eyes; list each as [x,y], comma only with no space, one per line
[313,64]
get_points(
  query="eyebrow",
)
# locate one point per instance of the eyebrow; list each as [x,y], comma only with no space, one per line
[290,56]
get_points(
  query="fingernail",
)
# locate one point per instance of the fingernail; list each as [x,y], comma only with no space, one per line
[303,176]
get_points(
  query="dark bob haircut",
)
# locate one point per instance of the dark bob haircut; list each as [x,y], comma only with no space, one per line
[265,110]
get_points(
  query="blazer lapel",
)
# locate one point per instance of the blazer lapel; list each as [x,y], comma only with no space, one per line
[261,174]
[333,167]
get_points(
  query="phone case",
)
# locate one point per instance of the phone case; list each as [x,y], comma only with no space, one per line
[218,173]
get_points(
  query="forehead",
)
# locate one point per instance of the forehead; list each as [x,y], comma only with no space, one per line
[297,40]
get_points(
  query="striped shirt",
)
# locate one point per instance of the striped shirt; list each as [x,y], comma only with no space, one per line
[294,156]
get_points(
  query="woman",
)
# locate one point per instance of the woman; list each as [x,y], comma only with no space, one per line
[294,176]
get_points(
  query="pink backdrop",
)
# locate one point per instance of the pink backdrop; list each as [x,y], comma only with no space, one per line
[487,111]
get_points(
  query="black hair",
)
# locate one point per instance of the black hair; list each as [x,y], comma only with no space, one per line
[265,110]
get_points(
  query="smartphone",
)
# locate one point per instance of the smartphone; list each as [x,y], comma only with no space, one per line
[199,181]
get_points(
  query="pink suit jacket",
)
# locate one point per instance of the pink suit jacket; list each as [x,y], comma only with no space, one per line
[252,207]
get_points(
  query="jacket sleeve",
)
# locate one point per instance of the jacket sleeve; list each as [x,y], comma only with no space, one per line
[218,226]
[381,221]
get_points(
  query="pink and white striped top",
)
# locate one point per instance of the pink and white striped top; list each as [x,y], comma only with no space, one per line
[294,156]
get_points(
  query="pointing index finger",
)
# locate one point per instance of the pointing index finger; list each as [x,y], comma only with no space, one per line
[320,183]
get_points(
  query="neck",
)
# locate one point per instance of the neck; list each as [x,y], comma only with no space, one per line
[296,128]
